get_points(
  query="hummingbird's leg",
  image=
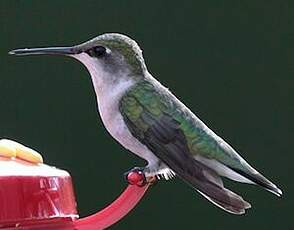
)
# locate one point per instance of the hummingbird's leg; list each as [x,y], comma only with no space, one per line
[137,176]
[152,180]
[158,170]
[150,174]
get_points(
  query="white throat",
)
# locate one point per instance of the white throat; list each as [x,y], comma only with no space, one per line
[105,84]
[108,88]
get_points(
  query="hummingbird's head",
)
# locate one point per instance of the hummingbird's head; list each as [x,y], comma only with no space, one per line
[113,53]
[108,57]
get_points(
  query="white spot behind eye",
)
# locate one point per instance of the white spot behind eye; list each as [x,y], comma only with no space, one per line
[108,51]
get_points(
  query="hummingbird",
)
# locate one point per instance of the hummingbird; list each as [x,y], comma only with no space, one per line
[151,122]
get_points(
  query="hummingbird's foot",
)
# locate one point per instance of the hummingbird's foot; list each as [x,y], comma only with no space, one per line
[152,180]
[159,170]
[12,149]
[136,176]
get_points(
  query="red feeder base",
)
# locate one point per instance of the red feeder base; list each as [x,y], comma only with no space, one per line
[41,197]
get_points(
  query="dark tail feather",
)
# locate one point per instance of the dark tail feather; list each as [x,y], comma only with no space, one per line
[260,180]
[234,209]
[206,182]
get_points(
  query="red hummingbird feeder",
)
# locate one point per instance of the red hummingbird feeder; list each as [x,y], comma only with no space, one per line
[37,196]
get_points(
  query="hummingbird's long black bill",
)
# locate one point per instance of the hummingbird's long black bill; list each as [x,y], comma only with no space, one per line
[49,50]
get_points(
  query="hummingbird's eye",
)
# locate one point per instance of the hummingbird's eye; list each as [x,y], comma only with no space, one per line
[97,51]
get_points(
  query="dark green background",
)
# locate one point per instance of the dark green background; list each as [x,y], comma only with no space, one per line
[231,62]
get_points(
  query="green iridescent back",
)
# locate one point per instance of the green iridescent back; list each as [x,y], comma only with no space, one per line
[147,103]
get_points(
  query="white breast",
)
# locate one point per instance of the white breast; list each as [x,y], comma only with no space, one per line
[114,123]
[109,91]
